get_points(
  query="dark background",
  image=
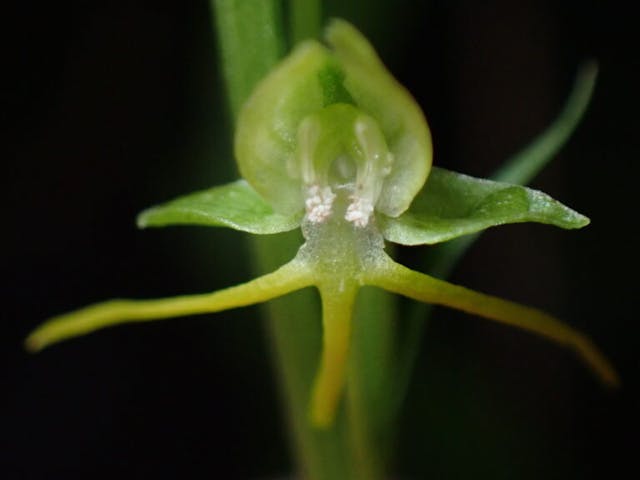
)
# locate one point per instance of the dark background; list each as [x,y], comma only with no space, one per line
[111,107]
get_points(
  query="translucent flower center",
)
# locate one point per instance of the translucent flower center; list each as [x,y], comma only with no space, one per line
[342,153]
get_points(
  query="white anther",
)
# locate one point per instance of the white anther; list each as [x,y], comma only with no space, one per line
[318,203]
[359,211]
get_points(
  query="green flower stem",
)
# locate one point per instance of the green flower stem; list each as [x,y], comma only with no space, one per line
[295,333]
[250,41]
[289,277]
[294,322]
[396,278]
[371,369]
[304,20]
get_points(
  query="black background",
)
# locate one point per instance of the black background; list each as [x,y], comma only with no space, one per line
[111,107]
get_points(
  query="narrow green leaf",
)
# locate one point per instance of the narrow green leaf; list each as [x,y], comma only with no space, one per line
[235,205]
[520,168]
[526,164]
[452,204]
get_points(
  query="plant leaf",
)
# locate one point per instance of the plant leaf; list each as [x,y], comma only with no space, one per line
[522,167]
[526,164]
[235,205]
[452,204]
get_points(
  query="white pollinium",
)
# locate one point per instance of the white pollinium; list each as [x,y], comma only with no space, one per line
[319,203]
[342,151]
[359,211]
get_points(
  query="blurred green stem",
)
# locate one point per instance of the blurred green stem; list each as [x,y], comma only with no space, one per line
[304,20]
[251,42]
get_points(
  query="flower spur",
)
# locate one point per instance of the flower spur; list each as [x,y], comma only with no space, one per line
[330,143]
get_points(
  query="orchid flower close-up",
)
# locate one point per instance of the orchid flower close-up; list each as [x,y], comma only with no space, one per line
[330,143]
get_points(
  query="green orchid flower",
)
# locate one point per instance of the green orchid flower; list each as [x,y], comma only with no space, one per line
[330,143]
